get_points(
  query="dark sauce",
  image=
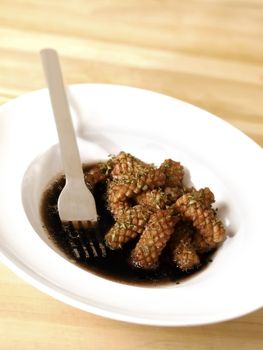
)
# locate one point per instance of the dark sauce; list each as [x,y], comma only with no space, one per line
[115,266]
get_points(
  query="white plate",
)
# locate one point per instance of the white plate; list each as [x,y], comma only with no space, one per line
[153,127]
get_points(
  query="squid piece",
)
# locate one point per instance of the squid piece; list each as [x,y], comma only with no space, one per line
[95,174]
[183,251]
[131,222]
[153,199]
[126,164]
[118,235]
[117,207]
[204,219]
[204,195]
[173,171]
[130,186]
[173,193]
[157,233]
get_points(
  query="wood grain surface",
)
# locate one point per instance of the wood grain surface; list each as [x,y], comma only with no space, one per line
[207,52]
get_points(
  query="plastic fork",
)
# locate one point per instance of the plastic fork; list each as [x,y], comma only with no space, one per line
[76,204]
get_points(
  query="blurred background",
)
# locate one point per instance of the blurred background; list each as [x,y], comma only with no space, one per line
[207,52]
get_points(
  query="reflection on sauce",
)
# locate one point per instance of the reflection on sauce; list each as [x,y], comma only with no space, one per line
[115,266]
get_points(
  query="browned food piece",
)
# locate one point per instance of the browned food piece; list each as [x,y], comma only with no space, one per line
[173,193]
[201,245]
[154,199]
[204,219]
[204,195]
[126,164]
[157,232]
[130,186]
[135,217]
[131,222]
[174,172]
[95,174]
[184,254]
[118,235]
[116,208]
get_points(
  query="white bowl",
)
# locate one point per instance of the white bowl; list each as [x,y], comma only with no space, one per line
[152,126]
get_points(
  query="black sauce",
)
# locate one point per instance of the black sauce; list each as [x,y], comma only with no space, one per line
[115,266]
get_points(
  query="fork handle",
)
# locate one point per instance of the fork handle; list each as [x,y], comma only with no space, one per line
[67,139]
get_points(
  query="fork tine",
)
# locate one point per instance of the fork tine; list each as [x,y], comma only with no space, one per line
[84,240]
[91,244]
[103,249]
[84,248]
[74,250]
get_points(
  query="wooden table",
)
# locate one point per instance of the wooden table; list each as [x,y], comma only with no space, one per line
[207,52]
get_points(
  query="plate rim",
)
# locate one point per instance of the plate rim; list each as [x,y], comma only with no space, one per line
[100,312]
